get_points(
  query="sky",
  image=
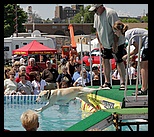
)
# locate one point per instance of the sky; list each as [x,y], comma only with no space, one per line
[47,10]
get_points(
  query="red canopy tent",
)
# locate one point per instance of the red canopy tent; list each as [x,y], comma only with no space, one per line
[34,47]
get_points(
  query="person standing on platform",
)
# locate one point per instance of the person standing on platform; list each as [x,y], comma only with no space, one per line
[144,54]
[104,19]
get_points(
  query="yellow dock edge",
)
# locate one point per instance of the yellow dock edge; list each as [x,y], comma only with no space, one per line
[100,103]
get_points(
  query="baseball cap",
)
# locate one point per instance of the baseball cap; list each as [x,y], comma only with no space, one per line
[94,6]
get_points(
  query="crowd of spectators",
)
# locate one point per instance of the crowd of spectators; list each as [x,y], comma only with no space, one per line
[27,79]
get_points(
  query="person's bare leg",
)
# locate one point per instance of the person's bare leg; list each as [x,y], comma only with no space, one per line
[106,69]
[121,70]
[144,75]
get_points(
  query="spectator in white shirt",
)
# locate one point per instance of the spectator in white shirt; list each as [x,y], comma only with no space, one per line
[38,84]
[85,79]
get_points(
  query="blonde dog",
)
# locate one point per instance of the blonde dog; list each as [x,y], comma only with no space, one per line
[63,96]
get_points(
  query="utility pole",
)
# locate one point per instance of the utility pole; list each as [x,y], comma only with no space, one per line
[16,20]
[82,23]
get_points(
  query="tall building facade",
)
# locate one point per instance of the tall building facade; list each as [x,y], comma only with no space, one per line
[67,12]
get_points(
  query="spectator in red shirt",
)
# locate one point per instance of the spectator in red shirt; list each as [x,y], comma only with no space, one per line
[31,69]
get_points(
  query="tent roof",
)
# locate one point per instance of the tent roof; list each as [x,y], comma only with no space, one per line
[34,47]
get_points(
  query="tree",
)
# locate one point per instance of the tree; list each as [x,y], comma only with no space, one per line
[88,17]
[9,19]
[144,19]
[130,20]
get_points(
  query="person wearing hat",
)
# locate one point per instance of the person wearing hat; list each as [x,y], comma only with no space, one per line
[104,19]
[50,75]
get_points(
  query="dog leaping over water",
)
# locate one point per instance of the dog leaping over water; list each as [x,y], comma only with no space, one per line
[63,96]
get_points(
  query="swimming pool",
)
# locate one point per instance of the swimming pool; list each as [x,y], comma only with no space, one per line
[55,118]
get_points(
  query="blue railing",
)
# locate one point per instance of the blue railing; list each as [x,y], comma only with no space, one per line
[20,99]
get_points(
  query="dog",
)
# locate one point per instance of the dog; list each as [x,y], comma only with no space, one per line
[63,96]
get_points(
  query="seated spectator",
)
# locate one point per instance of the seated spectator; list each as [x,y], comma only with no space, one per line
[31,69]
[38,83]
[22,69]
[64,76]
[76,74]
[6,73]
[96,76]
[50,75]
[24,87]
[30,120]
[132,71]
[10,85]
[63,84]
[85,79]
[62,63]
[15,68]
[116,75]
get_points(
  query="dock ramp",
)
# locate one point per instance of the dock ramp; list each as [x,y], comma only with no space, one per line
[104,118]
[99,120]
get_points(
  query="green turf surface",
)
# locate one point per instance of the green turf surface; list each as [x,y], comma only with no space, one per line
[98,116]
[128,111]
[115,93]
[103,114]
[89,121]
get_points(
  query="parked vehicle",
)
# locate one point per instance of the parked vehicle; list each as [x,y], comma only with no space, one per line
[12,43]
[95,58]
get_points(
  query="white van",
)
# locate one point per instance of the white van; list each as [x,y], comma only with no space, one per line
[11,43]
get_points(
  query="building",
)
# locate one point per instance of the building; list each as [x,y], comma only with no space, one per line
[79,28]
[65,13]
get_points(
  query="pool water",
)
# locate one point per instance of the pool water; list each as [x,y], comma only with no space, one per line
[55,118]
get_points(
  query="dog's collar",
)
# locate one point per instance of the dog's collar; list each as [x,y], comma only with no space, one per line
[49,95]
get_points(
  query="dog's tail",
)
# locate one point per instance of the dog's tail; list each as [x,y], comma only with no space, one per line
[90,90]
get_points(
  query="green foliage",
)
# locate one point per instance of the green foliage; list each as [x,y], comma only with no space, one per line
[130,20]
[88,17]
[145,19]
[9,16]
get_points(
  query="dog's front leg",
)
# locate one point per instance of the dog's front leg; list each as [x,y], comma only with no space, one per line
[43,108]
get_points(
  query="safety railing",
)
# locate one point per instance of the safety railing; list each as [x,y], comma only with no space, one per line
[20,99]
[138,63]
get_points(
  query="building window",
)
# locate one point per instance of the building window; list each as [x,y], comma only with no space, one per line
[6,48]
[24,43]
[54,27]
[16,46]
[63,27]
